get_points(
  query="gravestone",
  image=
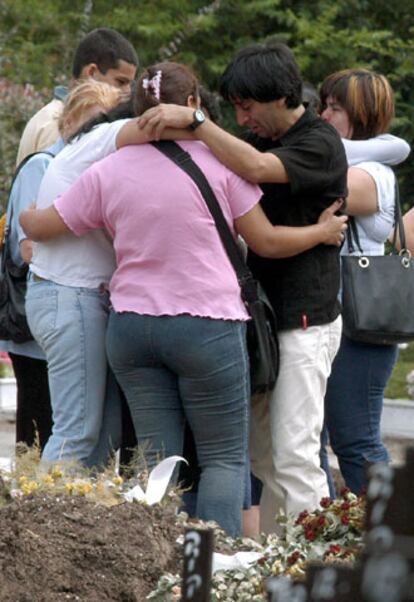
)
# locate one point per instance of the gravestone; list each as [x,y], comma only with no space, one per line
[198,562]
[390,527]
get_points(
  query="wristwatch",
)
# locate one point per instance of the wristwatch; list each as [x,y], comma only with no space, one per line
[198,119]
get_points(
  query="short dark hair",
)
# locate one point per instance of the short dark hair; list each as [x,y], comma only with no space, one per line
[105,47]
[263,73]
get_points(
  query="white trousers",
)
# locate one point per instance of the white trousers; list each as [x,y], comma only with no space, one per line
[286,428]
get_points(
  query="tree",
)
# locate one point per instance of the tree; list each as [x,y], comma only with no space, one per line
[38,37]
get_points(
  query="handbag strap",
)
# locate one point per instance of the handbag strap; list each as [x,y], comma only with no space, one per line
[398,220]
[16,173]
[352,231]
[6,254]
[183,159]
[353,236]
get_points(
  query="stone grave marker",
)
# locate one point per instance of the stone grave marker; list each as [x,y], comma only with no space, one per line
[386,570]
[198,561]
[390,529]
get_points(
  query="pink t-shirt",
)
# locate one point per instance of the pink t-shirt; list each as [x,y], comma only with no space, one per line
[170,259]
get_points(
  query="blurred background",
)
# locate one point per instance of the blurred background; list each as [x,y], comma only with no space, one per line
[38,38]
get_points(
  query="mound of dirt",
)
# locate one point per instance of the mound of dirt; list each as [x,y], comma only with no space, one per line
[67,548]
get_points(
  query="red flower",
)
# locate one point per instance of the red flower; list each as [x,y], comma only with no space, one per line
[344,491]
[293,557]
[345,519]
[321,521]
[301,517]
[334,548]
[325,502]
[345,506]
[310,534]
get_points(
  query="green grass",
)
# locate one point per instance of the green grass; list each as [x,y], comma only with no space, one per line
[6,371]
[397,385]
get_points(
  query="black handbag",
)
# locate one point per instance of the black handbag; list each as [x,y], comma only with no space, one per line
[13,279]
[262,343]
[378,291]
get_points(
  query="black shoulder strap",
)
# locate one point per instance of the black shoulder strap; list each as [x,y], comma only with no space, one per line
[183,160]
[398,220]
[353,236]
[352,230]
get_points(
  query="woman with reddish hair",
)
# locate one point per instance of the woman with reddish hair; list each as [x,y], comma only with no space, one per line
[359,104]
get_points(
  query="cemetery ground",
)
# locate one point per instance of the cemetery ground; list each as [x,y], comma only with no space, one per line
[65,538]
[68,548]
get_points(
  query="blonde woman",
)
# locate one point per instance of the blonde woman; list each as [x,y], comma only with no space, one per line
[67,300]
[34,415]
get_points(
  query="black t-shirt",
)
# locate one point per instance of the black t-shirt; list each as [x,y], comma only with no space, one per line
[303,289]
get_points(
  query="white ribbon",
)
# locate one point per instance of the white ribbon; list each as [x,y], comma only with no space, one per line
[158,481]
[241,561]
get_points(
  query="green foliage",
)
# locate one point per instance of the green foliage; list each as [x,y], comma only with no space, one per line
[17,104]
[38,38]
[397,385]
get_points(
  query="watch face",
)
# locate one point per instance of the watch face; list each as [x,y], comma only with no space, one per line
[199,116]
[198,119]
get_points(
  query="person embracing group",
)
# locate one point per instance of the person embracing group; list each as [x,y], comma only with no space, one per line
[131,294]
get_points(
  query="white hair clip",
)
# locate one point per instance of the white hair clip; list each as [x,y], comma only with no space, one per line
[153,84]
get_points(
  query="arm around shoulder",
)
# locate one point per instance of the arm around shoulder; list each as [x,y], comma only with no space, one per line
[237,155]
[42,224]
[286,241]
[386,148]
[132,133]
[241,157]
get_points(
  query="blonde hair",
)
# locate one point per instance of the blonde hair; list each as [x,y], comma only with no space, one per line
[367,97]
[86,95]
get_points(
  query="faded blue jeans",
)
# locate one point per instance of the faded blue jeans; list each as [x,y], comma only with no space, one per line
[69,323]
[177,368]
[353,408]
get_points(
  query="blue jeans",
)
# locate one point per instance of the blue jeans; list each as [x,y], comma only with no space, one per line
[69,323]
[177,368]
[353,408]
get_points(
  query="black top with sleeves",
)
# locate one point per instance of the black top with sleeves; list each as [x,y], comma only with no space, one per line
[303,289]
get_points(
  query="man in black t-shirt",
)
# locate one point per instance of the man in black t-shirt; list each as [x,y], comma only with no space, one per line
[300,163]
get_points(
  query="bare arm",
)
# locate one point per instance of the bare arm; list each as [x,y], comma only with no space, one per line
[285,241]
[26,250]
[42,224]
[408,220]
[240,157]
[409,229]
[362,193]
[132,133]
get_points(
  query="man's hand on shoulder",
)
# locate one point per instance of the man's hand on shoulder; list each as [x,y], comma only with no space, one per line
[155,120]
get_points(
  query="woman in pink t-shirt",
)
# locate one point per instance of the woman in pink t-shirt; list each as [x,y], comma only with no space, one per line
[176,334]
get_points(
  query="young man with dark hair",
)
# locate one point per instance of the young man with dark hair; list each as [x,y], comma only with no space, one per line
[301,165]
[103,54]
